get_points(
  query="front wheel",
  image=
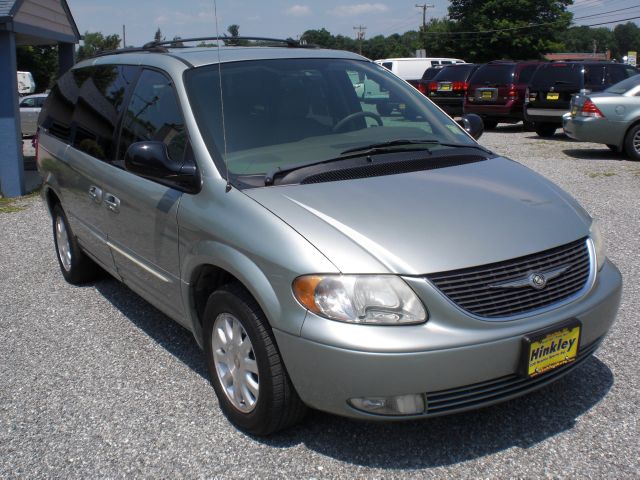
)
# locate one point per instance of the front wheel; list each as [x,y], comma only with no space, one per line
[247,373]
[632,143]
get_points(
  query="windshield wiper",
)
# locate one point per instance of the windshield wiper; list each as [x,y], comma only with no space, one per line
[366,151]
[383,147]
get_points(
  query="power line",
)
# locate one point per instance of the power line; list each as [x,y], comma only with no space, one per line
[532,25]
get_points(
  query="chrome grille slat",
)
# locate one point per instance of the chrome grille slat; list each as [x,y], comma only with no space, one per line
[491,391]
[471,288]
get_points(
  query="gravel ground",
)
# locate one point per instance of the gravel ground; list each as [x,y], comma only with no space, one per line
[94,382]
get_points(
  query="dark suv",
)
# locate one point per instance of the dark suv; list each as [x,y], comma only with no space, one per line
[553,85]
[497,90]
[448,88]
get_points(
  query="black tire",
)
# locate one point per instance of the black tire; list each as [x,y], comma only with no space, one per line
[277,405]
[632,151]
[545,130]
[77,268]
[489,124]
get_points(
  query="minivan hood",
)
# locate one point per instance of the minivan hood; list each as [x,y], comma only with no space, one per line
[430,221]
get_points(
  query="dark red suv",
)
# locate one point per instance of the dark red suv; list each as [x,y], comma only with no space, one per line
[497,90]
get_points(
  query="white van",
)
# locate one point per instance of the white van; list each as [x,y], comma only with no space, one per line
[411,69]
[26,84]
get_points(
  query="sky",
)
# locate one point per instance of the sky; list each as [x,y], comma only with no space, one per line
[283,18]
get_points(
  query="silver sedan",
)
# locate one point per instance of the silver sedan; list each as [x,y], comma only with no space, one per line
[611,117]
[30,107]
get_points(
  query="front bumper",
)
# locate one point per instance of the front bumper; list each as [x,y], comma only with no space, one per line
[333,362]
[452,106]
[596,130]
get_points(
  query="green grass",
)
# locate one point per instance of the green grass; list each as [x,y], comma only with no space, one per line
[13,205]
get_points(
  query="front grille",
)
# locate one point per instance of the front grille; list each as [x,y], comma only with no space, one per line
[474,289]
[499,389]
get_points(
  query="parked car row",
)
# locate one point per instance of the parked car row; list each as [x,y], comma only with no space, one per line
[546,96]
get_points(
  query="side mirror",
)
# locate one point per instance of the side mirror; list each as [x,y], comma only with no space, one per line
[151,160]
[473,125]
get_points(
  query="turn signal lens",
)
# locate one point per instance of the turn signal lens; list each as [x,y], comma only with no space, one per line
[368,299]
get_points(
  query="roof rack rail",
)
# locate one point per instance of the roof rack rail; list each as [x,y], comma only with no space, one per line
[228,41]
[154,49]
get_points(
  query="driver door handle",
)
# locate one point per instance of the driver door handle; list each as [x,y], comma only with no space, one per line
[95,194]
[112,202]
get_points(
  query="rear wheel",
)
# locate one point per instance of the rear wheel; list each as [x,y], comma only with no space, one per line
[247,373]
[545,129]
[632,143]
[76,267]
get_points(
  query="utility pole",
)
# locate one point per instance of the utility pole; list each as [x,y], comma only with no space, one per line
[124,36]
[424,14]
[423,30]
[360,35]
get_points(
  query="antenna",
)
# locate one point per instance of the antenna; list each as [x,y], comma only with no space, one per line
[224,129]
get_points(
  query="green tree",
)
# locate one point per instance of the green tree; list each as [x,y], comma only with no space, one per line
[96,42]
[234,30]
[581,39]
[42,62]
[544,22]
[627,37]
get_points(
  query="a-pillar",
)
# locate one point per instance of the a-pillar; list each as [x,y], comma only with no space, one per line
[11,164]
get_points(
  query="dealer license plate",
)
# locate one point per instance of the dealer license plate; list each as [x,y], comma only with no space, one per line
[553,96]
[551,349]
[444,87]
[487,95]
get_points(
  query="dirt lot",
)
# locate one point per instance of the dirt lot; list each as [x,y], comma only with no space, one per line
[94,382]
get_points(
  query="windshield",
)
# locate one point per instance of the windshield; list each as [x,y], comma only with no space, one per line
[280,113]
[625,85]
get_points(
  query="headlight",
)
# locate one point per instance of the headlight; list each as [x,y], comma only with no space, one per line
[369,299]
[598,243]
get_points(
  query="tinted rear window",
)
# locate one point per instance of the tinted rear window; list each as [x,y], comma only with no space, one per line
[458,73]
[429,73]
[526,73]
[494,74]
[558,74]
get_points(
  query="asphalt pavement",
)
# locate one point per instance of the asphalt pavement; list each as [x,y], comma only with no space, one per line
[95,382]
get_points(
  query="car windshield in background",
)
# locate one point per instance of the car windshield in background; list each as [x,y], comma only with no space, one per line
[455,73]
[279,113]
[624,86]
[494,74]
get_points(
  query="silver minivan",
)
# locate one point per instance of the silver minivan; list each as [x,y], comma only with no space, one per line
[324,255]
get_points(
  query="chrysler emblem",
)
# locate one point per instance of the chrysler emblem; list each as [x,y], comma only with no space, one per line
[537,280]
